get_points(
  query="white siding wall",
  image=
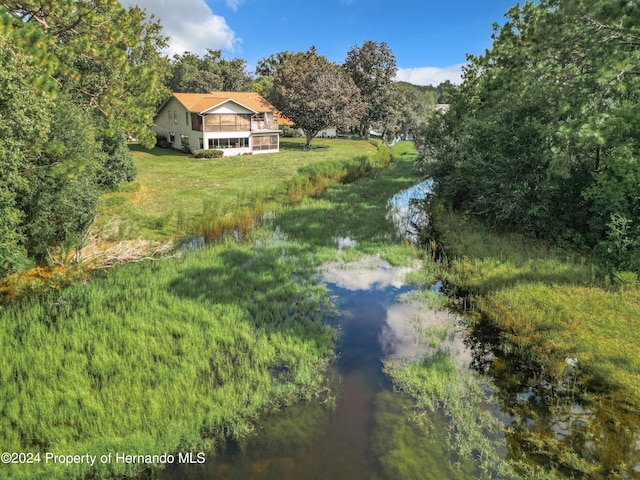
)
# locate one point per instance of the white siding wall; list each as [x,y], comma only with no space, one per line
[173,120]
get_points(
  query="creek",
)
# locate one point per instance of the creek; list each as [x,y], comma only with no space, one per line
[366,433]
[366,429]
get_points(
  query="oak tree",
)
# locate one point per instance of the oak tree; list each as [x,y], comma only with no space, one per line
[316,94]
[373,69]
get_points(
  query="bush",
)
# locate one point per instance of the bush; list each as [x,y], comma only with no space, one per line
[290,132]
[116,167]
[207,153]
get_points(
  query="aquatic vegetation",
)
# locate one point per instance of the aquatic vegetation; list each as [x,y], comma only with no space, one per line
[404,451]
[442,387]
[563,346]
[195,348]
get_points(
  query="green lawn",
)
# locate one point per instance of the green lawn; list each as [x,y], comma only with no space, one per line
[172,188]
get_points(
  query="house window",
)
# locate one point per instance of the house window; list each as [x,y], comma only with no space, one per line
[186,118]
[169,113]
[172,138]
[196,122]
[201,143]
[175,117]
[227,122]
[184,140]
[220,143]
[265,142]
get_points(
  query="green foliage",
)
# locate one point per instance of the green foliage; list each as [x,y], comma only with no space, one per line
[208,153]
[403,450]
[161,356]
[313,180]
[373,68]
[266,70]
[290,132]
[414,106]
[30,113]
[116,165]
[316,94]
[542,134]
[550,303]
[63,186]
[190,73]
[183,353]
[77,78]
[108,58]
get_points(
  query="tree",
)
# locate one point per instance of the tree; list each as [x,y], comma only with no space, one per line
[373,68]
[414,107]
[64,187]
[542,135]
[266,70]
[104,56]
[192,74]
[77,77]
[29,110]
[316,94]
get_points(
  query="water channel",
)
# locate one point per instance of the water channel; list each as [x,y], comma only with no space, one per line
[367,432]
[366,429]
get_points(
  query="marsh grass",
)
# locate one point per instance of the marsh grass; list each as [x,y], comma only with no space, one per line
[565,335]
[442,387]
[552,304]
[403,450]
[166,356]
[185,353]
[355,210]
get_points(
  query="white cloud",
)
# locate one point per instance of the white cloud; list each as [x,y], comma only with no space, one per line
[190,25]
[234,4]
[431,75]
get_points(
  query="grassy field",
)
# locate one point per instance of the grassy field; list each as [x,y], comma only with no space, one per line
[172,190]
[179,355]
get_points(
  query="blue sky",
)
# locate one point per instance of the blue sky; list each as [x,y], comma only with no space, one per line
[429,38]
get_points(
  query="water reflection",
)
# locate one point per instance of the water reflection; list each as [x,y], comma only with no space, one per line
[406,211]
[368,435]
[564,421]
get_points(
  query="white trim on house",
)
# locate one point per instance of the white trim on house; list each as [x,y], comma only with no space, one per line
[227,125]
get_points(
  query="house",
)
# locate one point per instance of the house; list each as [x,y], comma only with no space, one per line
[234,122]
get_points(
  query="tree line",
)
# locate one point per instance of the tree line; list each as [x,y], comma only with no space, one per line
[356,96]
[543,135]
[79,78]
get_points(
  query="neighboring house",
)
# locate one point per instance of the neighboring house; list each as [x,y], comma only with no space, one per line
[234,122]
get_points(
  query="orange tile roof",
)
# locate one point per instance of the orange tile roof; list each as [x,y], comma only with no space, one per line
[200,102]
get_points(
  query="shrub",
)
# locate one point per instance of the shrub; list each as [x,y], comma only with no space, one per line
[290,132]
[116,166]
[207,153]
